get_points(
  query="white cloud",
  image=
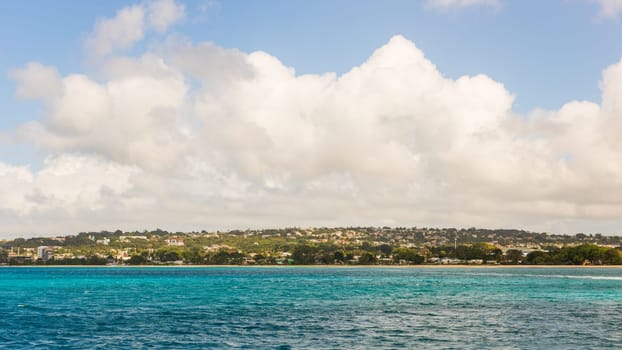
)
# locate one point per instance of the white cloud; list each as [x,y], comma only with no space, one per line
[449,4]
[132,118]
[71,193]
[67,182]
[36,81]
[610,8]
[163,13]
[207,137]
[130,25]
[118,33]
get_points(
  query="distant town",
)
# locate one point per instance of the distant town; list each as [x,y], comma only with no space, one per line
[316,246]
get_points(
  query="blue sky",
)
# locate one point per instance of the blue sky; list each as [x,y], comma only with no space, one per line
[112,123]
[545,52]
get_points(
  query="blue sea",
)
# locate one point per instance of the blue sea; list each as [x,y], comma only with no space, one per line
[310,308]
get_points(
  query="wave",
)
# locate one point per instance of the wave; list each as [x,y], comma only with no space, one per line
[611,278]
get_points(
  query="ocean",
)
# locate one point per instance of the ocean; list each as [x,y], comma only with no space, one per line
[310,308]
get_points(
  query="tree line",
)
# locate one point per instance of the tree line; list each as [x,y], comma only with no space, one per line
[363,254]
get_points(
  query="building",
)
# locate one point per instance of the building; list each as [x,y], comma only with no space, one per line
[43,253]
[175,242]
[104,241]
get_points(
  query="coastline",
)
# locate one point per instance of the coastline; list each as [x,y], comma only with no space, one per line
[332,266]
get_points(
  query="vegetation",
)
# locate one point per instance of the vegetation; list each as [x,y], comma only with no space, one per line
[353,245]
[577,255]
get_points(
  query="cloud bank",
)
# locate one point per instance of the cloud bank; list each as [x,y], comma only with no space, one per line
[196,136]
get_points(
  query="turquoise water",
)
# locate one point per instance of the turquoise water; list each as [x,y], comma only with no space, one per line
[310,308]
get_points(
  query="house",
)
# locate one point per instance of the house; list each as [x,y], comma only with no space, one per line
[175,242]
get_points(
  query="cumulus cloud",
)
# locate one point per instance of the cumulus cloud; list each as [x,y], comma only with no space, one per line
[130,24]
[118,33]
[67,186]
[200,136]
[610,8]
[74,181]
[164,13]
[36,81]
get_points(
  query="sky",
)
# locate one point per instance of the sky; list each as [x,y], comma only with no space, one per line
[260,114]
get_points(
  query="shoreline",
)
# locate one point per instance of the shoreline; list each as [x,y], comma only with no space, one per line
[332,266]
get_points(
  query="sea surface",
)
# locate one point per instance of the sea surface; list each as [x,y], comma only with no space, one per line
[310,308]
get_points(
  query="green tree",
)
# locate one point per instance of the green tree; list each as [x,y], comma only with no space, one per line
[304,255]
[168,255]
[221,257]
[410,255]
[137,259]
[386,249]
[513,256]
[193,256]
[613,256]
[367,259]
[539,258]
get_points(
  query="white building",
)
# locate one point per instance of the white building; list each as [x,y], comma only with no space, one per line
[176,242]
[43,252]
[104,241]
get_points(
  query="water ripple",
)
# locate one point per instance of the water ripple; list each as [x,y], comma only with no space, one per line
[294,308]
